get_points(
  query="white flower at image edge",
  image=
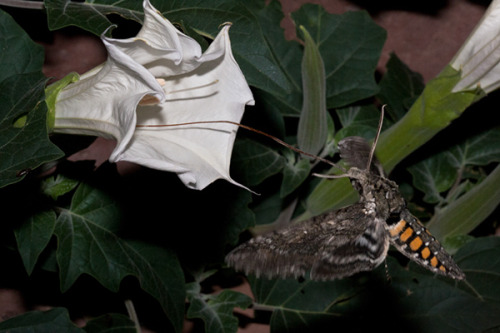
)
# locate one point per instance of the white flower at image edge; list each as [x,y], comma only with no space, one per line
[160,77]
[479,57]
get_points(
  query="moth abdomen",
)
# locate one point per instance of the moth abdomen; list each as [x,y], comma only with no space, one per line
[413,240]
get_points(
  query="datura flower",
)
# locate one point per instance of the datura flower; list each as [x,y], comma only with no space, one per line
[479,57]
[156,79]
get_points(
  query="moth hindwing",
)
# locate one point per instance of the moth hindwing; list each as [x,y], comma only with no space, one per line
[353,239]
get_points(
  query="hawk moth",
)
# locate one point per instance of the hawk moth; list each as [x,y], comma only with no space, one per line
[351,240]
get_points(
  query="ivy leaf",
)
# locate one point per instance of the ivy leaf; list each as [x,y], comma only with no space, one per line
[110,323]
[433,176]
[479,261]
[302,306]
[294,175]
[253,162]
[216,311]
[32,237]
[55,320]
[352,43]
[267,209]
[24,145]
[87,244]
[23,134]
[58,185]
[89,15]
[480,149]
[20,55]
[400,87]
[233,216]
[359,121]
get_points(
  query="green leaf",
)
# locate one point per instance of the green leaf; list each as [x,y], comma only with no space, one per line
[313,129]
[399,88]
[26,147]
[216,311]
[433,176]
[359,121]
[306,306]
[453,243]
[294,174]
[23,135]
[88,245]
[110,323]
[58,185]
[480,149]
[20,55]
[351,44]
[32,237]
[89,15]
[55,320]
[267,209]
[479,261]
[253,162]
[234,213]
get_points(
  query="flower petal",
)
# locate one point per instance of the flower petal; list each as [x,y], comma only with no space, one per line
[479,57]
[160,47]
[104,101]
[199,153]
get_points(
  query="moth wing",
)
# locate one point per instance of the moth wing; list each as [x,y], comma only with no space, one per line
[363,252]
[355,150]
[304,247]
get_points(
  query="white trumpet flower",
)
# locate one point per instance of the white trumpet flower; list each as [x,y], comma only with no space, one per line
[152,81]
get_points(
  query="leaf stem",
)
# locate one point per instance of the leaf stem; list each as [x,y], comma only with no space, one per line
[263,307]
[133,315]
[22,4]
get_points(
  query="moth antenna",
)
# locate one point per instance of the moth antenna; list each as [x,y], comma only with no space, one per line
[374,145]
[281,142]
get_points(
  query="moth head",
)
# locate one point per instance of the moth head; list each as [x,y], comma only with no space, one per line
[358,153]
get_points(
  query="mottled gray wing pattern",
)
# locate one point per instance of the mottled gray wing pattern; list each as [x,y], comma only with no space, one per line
[329,246]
